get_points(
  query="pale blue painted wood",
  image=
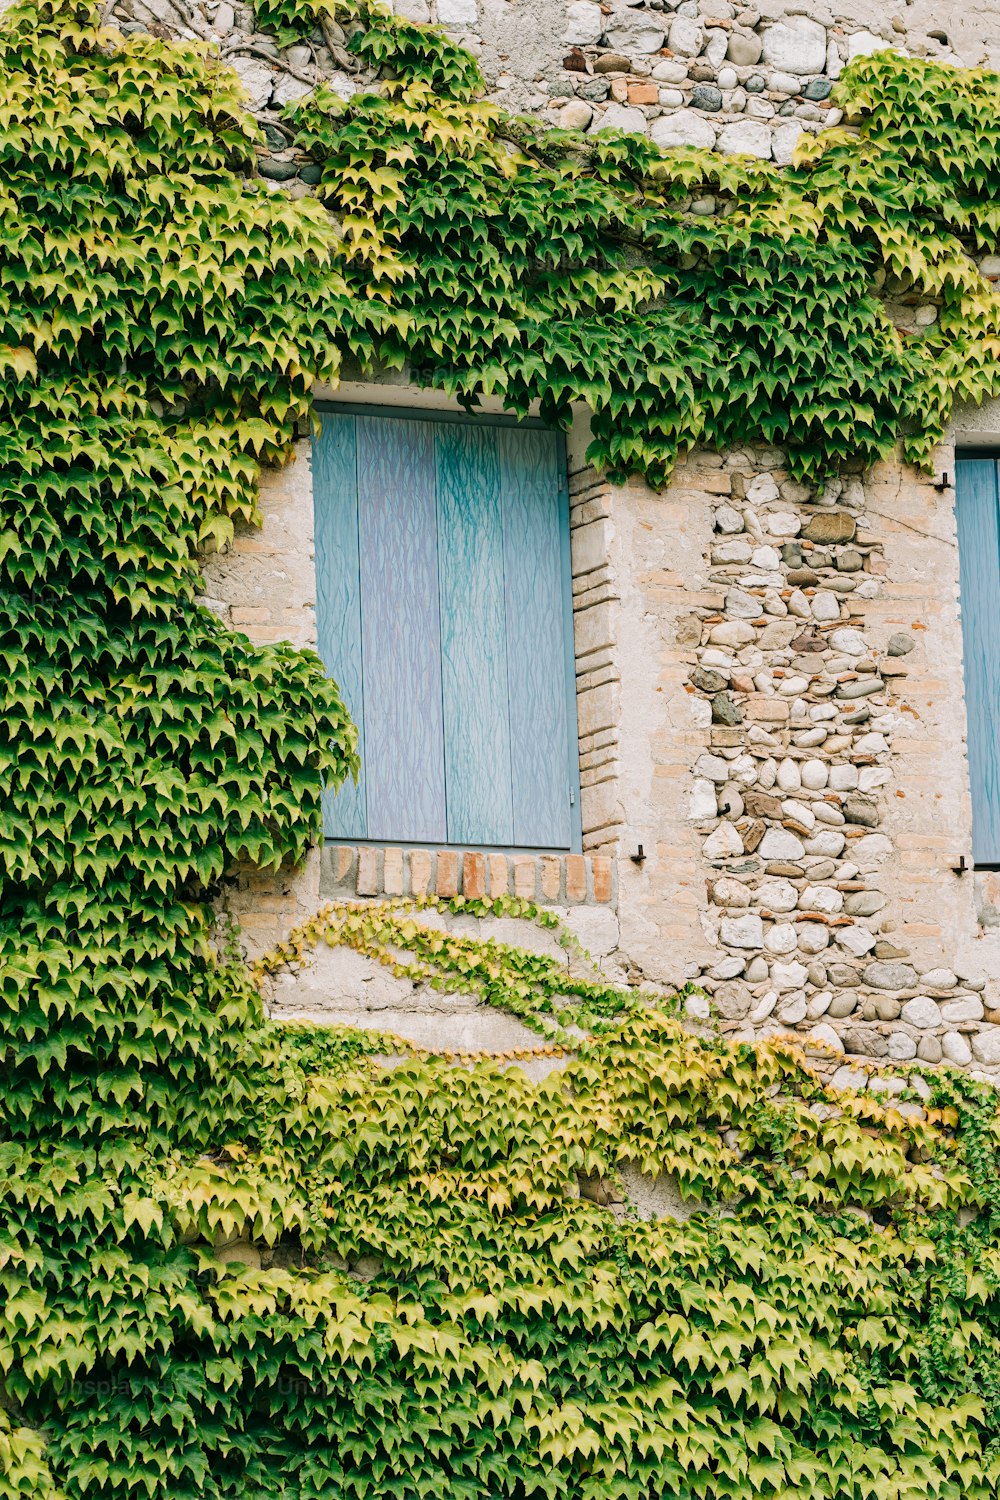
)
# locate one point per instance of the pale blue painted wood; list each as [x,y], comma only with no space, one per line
[541,709]
[404,740]
[979,571]
[338,601]
[473,635]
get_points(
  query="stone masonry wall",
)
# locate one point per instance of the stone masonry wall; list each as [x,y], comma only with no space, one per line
[712,73]
[770,692]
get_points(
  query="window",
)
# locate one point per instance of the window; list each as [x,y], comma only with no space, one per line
[444,612]
[978,518]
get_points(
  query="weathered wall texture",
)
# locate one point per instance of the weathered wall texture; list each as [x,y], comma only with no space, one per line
[770,688]
[741,78]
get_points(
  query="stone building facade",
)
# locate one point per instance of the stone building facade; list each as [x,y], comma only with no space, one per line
[770,682]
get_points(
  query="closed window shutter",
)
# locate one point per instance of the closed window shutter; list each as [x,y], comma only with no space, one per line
[444,613]
[979,574]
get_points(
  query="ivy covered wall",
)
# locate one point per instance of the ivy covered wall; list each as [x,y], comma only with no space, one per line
[241,1260]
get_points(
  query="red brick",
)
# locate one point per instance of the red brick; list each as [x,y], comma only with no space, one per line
[643,93]
[576,877]
[499,876]
[525,875]
[343,860]
[600,868]
[368,881]
[551,876]
[474,876]
[421,871]
[447,873]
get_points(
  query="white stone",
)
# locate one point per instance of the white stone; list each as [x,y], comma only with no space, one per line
[784,141]
[697,1007]
[256,78]
[855,940]
[956,1049]
[413,10]
[762,1010]
[224,19]
[712,767]
[871,744]
[768,773]
[746,138]
[986,1047]
[584,24]
[864,43]
[819,1005]
[825,1036]
[797,46]
[620,117]
[827,842]
[790,976]
[792,1010]
[702,803]
[798,605]
[457,12]
[728,78]
[792,687]
[782,523]
[834,66]
[808,739]
[576,115]
[778,843]
[762,490]
[848,641]
[732,633]
[824,898]
[843,778]
[901,1047]
[797,812]
[921,1012]
[814,774]
[940,979]
[634,32]
[871,777]
[732,552]
[955,1011]
[730,892]
[789,777]
[827,813]
[686,36]
[727,519]
[825,606]
[871,850]
[768,559]
[683,128]
[723,843]
[742,932]
[781,938]
[670,72]
[776,894]
[287,89]
[742,606]
[715,49]
[813,937]
[729,968]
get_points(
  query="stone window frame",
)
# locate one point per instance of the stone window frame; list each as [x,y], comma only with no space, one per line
[264,583]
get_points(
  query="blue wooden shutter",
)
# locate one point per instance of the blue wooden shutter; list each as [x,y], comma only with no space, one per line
[444,613]
[979,573]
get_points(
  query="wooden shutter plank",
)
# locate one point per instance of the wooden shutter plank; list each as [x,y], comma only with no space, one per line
[979,571]
[404,741]
[338,601]
[537,644]
[473,635]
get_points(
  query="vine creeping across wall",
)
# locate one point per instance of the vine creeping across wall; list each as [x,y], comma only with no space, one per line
[239,1260]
